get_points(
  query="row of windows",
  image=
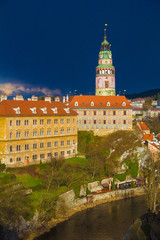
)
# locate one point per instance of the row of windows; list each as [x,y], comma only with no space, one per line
[41,121]
[42,156]
[109,121]
[41,133]
[35,145]
[105,71]
[114,113]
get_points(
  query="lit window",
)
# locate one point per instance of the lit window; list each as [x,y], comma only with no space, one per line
[76,104]
[108,104]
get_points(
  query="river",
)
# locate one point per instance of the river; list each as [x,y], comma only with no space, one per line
[108,221]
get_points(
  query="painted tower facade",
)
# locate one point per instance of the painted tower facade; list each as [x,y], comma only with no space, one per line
[105,71]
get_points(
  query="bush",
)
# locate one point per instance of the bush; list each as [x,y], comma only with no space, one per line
[133,185]
[134,170]
[120,177]
[2,167]
[88,192]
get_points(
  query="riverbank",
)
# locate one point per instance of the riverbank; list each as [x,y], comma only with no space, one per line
[98,199]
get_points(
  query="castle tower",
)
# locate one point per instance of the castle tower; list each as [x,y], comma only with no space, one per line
[105,71]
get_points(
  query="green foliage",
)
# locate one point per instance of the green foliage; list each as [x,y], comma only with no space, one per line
[113,184]
[134,170]
[84,138]
[153,124]
[88,192]
[2,167]
[7,178]
[28,181]
[133,185]
[121,177]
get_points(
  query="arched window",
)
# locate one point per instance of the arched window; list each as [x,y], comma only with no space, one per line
[108,104]
[92,103]
[76,104]
[124,104]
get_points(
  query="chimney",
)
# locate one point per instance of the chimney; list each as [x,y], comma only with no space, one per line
[18,97]
[63,99]
[34,98]
[67,98]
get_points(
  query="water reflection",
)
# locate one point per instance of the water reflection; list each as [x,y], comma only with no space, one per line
[108,221]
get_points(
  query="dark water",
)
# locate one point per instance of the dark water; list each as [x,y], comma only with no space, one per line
[104,222]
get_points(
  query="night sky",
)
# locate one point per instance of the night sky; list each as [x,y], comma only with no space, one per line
[51,46]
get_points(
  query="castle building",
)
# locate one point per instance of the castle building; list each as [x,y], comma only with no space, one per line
[31,131]
[105,71]
[102,114]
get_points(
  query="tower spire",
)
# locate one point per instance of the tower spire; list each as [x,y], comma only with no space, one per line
[105,37]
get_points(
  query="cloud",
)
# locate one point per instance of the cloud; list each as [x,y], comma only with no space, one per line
[11,89]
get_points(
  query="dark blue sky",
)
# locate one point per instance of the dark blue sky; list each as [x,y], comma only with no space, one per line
[54,44]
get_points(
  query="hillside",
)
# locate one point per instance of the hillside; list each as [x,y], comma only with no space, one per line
[149,93]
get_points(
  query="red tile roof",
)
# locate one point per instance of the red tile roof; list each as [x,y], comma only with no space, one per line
[100,102]
[147,137]
[7,108]
[158,137]
[143,126]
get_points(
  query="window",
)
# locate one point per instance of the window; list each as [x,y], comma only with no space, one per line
[34,133]
[114,121]
[124,112]
[10,148]
[18,148]
[124,121]
[79,121]
[55,121]
[68,130]
[85,113]
[76,103]
[74,130]
[114,113]
[68,142]
[55,132]
[41,156]
[68,120]
[26,146]
[62,131]
[109,121]
[56,154]
[92,103]
[104,113]
[108,104]
[62,143]
[119,121]
[89,121]
[95,113]
[48,144]
[18,122]
[35,122]
[10,123]
[11,160]
[49,154]
[104,122]
[95,121]
[18,134]
[73,120]
[69,152]
[26,122]
[74,141]
[48,132]
[42,133]
[99,121]
[34,156]
[10,134]
[74,151]
[41,121]
[18,159]
[123,104]
[48,121]
[41,145]
[62,121]
[56,143]
[85,121]
[62,153]
[26,134]
[34,145]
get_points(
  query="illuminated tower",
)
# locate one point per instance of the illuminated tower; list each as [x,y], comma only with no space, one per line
[105,71]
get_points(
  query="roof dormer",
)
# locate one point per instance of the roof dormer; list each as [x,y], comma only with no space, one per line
[44,110]
[76,104]
[123,104]
[67,110]
[92,103]
[54,110]
[33,110]
[108,104]
[17,110]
